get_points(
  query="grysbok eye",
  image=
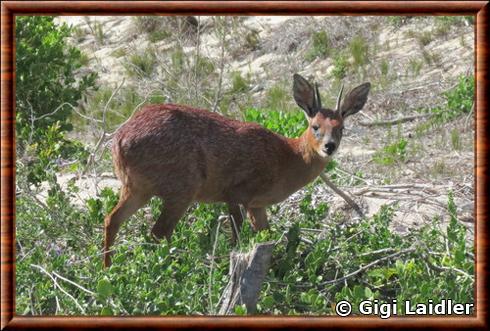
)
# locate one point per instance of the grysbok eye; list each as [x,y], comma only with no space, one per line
[315,127]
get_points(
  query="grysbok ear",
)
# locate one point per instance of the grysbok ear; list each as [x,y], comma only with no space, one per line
[306,96]
[355,100]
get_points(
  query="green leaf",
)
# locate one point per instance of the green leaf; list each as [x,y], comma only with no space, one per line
[368,293]
[104,288]
[240,310]
[106,311]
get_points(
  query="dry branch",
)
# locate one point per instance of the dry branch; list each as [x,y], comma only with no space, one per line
[395,121]
[347,199]
[367,266]
[56,285]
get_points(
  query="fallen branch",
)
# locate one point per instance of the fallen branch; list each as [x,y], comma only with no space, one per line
[395,121]
[444,269]
[347,199]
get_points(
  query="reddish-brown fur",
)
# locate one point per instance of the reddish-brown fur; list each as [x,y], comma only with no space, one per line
[184,155]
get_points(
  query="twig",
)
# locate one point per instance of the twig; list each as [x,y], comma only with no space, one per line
[443,268]
[58,286]
[31,300]
[110,135]
[217,96]
[198,55]
[342,194]
[352,175]
[73,108]
[469,115]
[367,266]
[106,107]
[73,283]
[395,121]
[104,128]
[210,283]
[306,241]
[382,250]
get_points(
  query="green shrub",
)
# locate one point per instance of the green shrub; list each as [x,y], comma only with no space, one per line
[398,21]
[415,66]
[204,67]
[238,83]
[148,24]
[392,153]
[384,67]
[252,40]
[122,105]
[98,31]
[424,38]
[45,76]
[278,98]
[359,51]
[177,278]
[443,24]
[153,26]
[290,124]
[319,46]
[455,139]
[430,57]
[119,52]
[340,66]
[141,64]
[48,86]
[178,59]
[459,101]
[158,35]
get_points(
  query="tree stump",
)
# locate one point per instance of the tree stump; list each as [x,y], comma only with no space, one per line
[247,273]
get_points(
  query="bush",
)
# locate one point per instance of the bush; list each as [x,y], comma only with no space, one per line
[238,83]
[48,85]
[319,46]
[290,124]
[398,21]
[203,67]
[148,24]
[168,279]
[278,98]
[459,101]
[252,40]
[46,76]
[340,66]
[395,152]
[359,50]
[141,64]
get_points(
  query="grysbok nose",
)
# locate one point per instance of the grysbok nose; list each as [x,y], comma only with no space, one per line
[330,147]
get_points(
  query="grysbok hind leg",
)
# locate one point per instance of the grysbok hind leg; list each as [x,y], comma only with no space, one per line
[173,209]
[236,222]
[129,203]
